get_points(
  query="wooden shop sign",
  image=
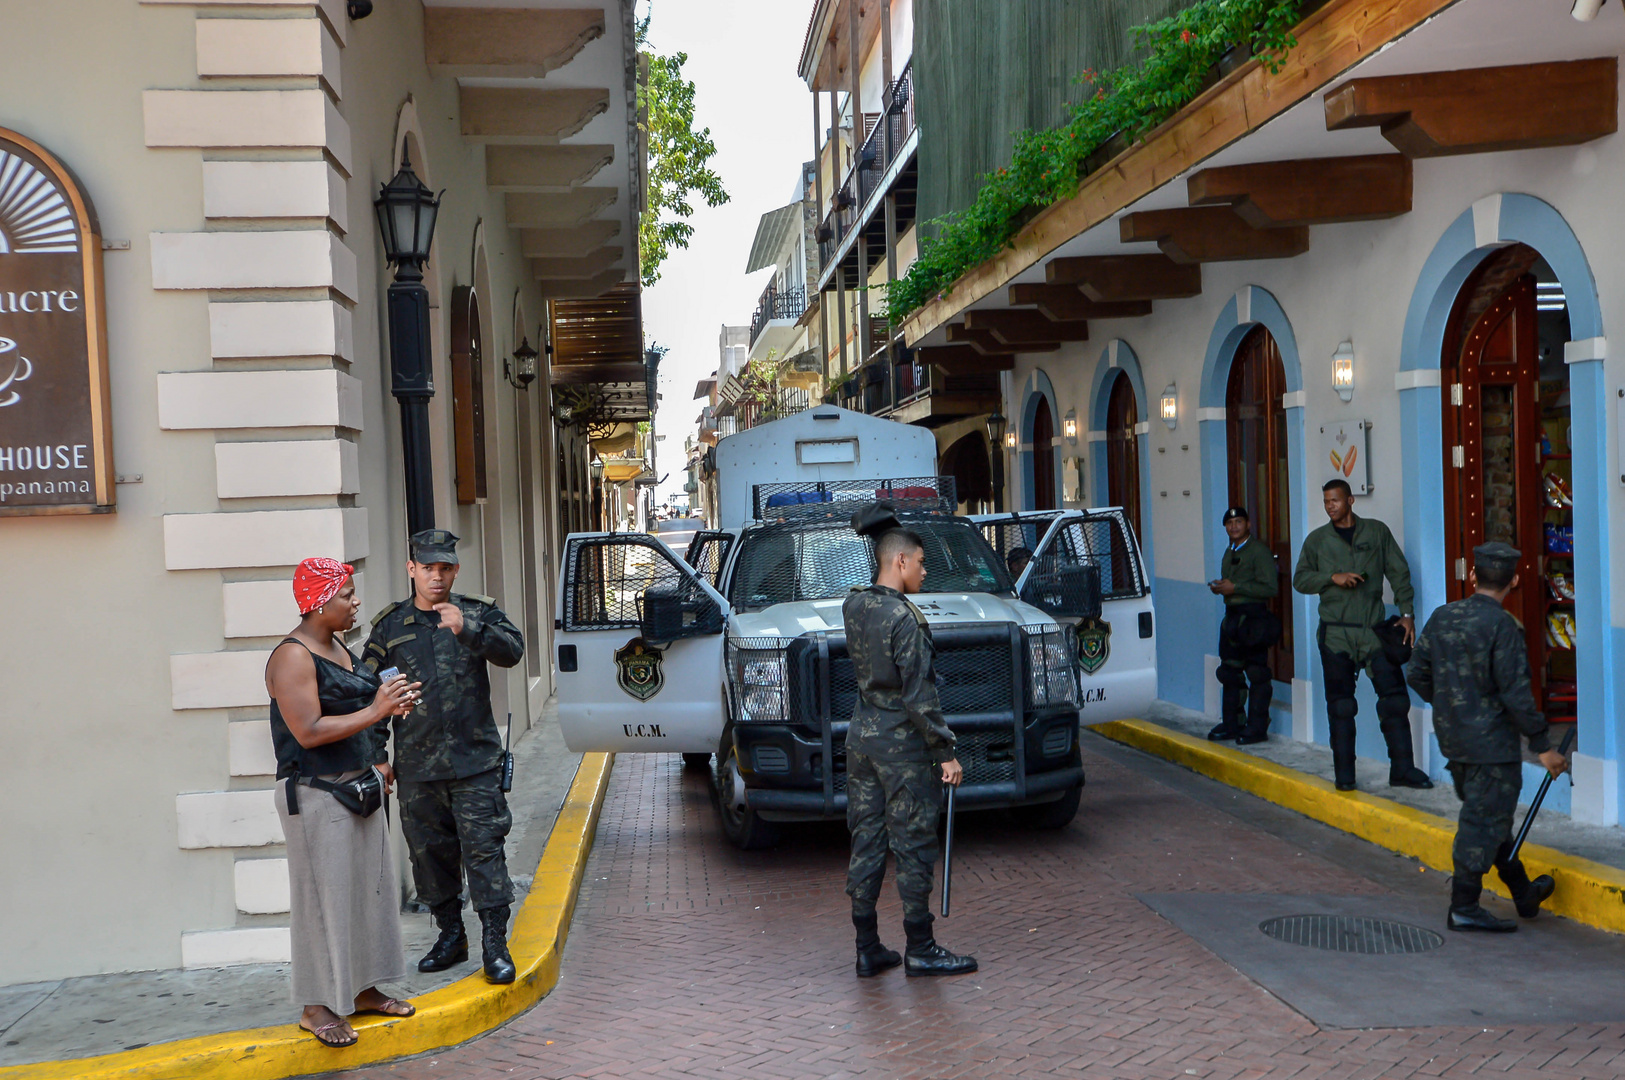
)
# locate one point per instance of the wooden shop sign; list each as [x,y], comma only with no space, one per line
[56,425]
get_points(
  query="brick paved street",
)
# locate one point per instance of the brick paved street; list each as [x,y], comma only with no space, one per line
[689,959]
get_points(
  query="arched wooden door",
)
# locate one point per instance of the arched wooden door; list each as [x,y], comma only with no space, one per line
[1507,462]
[1260,473]
[1123,450]
[1043,497]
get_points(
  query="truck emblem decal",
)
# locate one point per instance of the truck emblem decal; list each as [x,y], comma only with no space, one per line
[637,669]
[1094,644]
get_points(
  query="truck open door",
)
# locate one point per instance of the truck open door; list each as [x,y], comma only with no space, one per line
[639,648]
[1117,654]
[708,552]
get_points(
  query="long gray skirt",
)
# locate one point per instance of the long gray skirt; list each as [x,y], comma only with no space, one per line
[344,901]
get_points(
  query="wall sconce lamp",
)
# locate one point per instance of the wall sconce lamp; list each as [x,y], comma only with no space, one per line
[1009,440]
[1170,406]
[1343,371]
[522,371]
[1069,426]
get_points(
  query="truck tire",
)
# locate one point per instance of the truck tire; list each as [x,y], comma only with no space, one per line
[1050,815]
[743,826]
[696,761]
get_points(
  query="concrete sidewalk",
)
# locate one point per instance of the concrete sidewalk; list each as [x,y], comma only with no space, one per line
[102,1014]
[1599,843]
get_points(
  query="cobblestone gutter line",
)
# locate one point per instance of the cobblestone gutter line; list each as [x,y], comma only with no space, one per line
[1588,892]
[445,1017]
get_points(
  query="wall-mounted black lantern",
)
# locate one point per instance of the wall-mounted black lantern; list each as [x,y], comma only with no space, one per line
[523,370]
[995,440]
[406,218]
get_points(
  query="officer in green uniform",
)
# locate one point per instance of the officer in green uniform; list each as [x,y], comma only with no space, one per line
[899,751]
[448,752]
[1344,562]
[1248,582]
[1472,665]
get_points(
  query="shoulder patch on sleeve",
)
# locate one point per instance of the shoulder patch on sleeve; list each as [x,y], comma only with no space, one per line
[477,598]
[384,614]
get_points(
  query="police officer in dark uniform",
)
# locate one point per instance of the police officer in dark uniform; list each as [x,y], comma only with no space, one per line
[1472,664]
[899,752]
[1248,581]
[448,753]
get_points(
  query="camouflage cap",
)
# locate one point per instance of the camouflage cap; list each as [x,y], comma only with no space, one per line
[434,545]
[1496,559]
[874,519]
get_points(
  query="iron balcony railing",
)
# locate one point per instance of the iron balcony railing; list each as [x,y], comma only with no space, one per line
[881,146]
[777,304]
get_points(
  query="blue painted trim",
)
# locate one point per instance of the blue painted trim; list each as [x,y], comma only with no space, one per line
[1128,362]
[1227,335]
[1038,387]
[1523,219]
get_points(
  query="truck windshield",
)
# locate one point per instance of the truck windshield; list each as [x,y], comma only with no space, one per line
[778,564]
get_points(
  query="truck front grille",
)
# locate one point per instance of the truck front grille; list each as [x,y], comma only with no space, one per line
[971,679]
[988,757]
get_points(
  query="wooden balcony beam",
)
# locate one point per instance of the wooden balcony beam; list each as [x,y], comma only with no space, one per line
[1020,327]
[589,265]
[963,359]
[1483,110]
[1116,278]
[520,115]
[985,343]
[567,243]
[1065,303]
[1200,234]
[580,288]
[522,43]
[566,211]
[543,169]
[1315,191]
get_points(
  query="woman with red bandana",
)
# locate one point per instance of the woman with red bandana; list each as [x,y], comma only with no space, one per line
[344,905]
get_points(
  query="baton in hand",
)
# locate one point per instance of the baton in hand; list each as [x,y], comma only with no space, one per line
[1540,797]
[948,855]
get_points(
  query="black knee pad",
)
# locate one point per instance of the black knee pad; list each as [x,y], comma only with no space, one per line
[1231,676]
[1394,711]
[1341,709]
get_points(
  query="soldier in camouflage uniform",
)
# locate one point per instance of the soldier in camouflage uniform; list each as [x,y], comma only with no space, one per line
[1472,664]
[899,752]
[448,753]
[1344,562]
[1248,582]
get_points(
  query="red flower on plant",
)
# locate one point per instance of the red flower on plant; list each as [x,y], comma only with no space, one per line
[1185,36]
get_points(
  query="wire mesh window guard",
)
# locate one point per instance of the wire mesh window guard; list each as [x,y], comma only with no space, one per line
[707,552]
[1102,537]
[628,582]
[806,499]
[821,560]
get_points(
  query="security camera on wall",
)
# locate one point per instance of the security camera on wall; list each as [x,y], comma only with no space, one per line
[1586,10]
[359,9]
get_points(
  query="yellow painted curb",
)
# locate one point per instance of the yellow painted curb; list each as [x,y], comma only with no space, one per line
[1587,891]
[445,1017]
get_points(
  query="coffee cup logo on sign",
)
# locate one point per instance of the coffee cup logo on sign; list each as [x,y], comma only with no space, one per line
[56,454]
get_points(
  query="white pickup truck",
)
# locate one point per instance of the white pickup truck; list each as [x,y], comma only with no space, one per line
[738,650]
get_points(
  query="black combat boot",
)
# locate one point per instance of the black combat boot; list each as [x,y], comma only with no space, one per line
[1527,895]
[1224,732]
[1465,912]
[451,947]
[1340,721]
[1402,770]
[494,945]
[873,957]
[925,957]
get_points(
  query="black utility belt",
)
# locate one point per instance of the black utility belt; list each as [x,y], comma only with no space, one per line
[361,795]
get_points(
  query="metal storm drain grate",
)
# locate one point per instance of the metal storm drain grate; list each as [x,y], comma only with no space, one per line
[1351,934]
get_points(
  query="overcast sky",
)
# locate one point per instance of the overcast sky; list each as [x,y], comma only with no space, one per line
[742,57]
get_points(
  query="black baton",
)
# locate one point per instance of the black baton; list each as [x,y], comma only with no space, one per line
[1540,797]
[948,856]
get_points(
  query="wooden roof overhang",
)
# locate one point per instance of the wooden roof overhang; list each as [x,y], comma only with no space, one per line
[826,53]
[597,346]
[1332,40]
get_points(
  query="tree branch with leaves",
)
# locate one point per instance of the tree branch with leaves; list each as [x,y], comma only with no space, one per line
[679,157]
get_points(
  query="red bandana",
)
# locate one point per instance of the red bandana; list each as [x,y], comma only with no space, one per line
[317,581]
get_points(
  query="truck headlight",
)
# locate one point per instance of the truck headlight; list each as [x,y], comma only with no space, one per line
[1052,676]
[761,684]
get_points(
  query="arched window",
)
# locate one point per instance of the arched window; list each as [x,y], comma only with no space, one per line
[1043,494]
[1260,476]
[1123,450]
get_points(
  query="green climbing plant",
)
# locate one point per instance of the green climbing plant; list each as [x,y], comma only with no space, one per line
[1179,55]
[679,158]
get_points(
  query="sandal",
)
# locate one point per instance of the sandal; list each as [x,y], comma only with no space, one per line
[321,1034]
[391,1007]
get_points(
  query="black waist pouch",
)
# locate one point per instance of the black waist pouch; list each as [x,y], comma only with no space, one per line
[362,796]
[1392,636]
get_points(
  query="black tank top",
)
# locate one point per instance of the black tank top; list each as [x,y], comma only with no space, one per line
[340,692]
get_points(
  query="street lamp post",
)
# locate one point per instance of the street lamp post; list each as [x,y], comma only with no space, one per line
[995,440]
[406,218]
